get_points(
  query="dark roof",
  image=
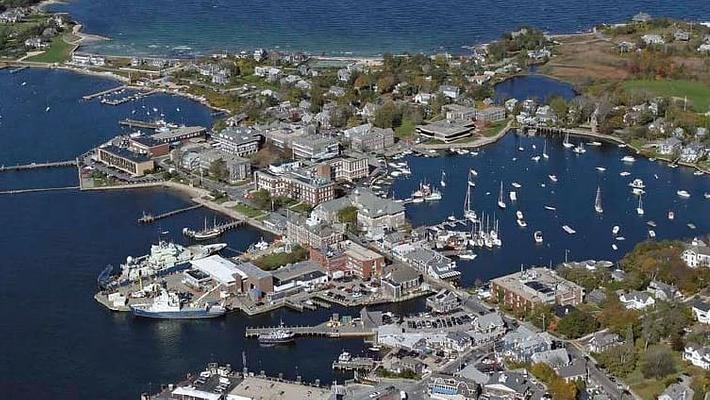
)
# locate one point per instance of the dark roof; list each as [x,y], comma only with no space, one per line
[125,153]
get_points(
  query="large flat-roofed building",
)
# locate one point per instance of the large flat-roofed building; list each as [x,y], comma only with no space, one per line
[457,112]
[446,130]
[364,262]
[315,148]
[523,290]
[312,190]
[179,134]
[348,168]
[237,278]
[148,145]
[298,276]
[134,163]
[239,141]
[370,138]
[399,281]
[375,212]
[491,114]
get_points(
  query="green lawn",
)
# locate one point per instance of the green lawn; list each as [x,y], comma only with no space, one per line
[649,388]
[250,212]
[698,93]
[494,128]
[57,52]
[405,130]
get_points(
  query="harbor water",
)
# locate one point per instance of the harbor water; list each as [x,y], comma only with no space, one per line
[368,27]
[56,341]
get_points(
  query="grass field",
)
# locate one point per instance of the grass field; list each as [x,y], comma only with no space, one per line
[698,93]
[57,52]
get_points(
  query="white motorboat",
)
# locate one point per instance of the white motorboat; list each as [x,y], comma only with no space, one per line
[671,215]
[620,238]
[468,256]
[615,247]
[544,151]
[628,159]
[443,179]
[566,142]
[538,237]
[615,230]
[639,208]
[521,149]
[519,214]
[553,178]
[683,193]
[601,169]
[568,229]
[535,158]
[595,143]
[651,233]
[550,208]
[625,173]
[706,195]
[637,184]
[521,223]
[580,149]
[513,196]
[516,185]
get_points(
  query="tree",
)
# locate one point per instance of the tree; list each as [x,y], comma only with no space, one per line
[388,116]
[262,199]
[577,324]
[559,106]
[619,360]
[218,169]
[348,215]
[657,362]
[317,99]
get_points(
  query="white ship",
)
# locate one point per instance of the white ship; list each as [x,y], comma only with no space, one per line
[169,306]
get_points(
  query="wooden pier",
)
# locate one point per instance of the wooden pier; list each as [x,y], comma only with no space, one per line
[128,98]
[103,93]
[34,165]
[39,190]
[318,330]
[148,218]
[132,123]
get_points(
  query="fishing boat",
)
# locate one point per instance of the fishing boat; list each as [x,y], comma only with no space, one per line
[538,237]
[553,178]
[683,193]
[501,203]
[279,335]
[568,229]
[671,215]
[516,185]
[544,151]
[615,230]
[639,208]
[580,149]
[443,179]
[651,233]
[435,195]
[513,196]
[628,159]
[550,208]
[598,201]
[168,305]
[566,142]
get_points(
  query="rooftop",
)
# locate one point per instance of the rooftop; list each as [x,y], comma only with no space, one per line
[126,153]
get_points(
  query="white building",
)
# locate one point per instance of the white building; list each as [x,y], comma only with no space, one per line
[698,356]
[636,300]
[695,255]
[701,311]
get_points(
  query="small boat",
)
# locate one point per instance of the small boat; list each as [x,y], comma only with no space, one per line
[637,184]
[443,179]
[671,215]
[513,196]
[601,169]
[566,142]
[651,233]
[516,185]
[698,173]
[595,143]
[451,218]
[615,247]
[706,195]
[375,348]
[521,149]
[553,178]
[651,224]
[468,256]
[535,158]
[580,149]
[691,226]
[538,237]
[620,238]
[569,230]
[550,208]
[519,214]
[628,159]
[501,203]
[417,200]
[521,223]
[639,208]
[474,172]
[279,335]
[621,145]
[674,165]
[615,230]
[544,151]
[683,193]
[598,201]
[625,173]
[47,109]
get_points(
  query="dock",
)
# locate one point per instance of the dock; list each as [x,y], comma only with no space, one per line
[103,93]
[39,190]
[128,98]
[318,330]
[148,218]
[133,123]
[35,165]
[355,363]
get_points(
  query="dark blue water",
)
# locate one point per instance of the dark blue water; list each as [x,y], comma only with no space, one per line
[536,87]
[55,340]
[366,27]
[71,126]
[573,196]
